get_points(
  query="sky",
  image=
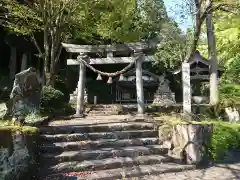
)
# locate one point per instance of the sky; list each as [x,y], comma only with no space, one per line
[174,10]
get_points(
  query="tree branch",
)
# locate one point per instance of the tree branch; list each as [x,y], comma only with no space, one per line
[201,18]
[37,46]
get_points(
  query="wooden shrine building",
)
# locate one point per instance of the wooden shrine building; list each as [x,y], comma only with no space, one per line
[199,68]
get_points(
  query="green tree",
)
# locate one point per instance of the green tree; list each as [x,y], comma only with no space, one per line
[63,20]
[227,41]
[172,48]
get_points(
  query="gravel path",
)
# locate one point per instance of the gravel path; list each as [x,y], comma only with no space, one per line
[217,172]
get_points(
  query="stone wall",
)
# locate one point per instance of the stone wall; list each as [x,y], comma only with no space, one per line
[18,155]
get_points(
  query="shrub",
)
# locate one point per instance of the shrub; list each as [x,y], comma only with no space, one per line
[225,136]
[229,97]
[51,99]
[230,92]
[60,84]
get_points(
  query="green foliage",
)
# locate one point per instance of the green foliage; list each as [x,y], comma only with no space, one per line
[230,92]
[14,128]
[20,19]
[51,99]
[227,33]
[173,47]
[226,136]
[34,117]
[118,21]
[232,72]
[229,97]
[60,85]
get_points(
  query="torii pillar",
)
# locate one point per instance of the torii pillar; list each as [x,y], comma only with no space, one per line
[81,85]
[139,86]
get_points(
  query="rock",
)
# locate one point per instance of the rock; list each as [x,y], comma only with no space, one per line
[3,110]
[232,114]
[26,92]
[200,99]
[190,140]
[15,161]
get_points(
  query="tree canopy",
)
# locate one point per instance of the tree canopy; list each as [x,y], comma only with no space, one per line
[84,22]
[227,30]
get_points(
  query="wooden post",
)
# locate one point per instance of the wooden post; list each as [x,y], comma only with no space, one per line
[186,84]
[24,61]
[139,85]
[81,87]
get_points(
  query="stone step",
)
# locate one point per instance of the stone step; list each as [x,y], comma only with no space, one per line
[103,113]
[80,155]
[114,108]
[103,143]
[122,173]
[106,127]
[109,163]
[103,109]
[105,106]
[98,135]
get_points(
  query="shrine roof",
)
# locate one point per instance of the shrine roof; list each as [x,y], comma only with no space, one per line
[196,60]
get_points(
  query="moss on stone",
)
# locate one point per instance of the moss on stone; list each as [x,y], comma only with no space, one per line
[23,129]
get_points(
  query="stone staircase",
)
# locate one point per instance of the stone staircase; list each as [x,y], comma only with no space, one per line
[103,110]
[102,149]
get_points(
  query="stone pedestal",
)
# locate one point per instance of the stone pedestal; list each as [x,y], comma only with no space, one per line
[164,99]
[163,95]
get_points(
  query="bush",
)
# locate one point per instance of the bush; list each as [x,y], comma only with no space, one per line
[51,99]
[226,136]
[230,92]
[229,97]
[61,85]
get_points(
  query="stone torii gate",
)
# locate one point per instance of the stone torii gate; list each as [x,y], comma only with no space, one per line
[83,51]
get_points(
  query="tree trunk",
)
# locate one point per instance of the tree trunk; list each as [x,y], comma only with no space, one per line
[55,52]
[46,58]
[214,94]
[197,32]
[52,75]
[13,62]
[24,61]
[51,79]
